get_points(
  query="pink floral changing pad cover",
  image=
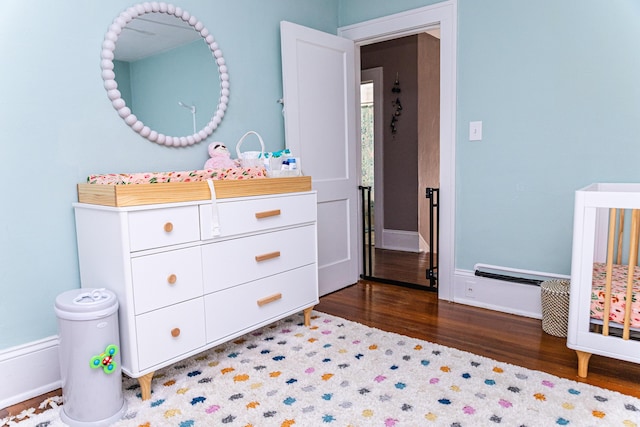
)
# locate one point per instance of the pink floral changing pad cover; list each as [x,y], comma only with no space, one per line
[183,176]
[618,293]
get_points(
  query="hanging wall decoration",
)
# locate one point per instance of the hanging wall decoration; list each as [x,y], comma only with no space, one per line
[396,105]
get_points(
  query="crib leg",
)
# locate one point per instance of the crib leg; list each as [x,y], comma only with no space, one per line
[583,363]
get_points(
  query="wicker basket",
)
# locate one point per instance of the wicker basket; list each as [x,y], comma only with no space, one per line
[555,307]
[251,159]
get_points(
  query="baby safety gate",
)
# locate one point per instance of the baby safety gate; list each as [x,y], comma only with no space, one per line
[368,245]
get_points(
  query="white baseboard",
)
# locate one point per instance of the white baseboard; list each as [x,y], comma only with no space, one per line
[29,370]
[424,246]
[497,295]
[400,240]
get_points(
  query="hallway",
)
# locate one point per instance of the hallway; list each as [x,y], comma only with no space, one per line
[401,266]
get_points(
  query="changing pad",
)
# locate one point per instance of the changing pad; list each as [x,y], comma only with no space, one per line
[182,176]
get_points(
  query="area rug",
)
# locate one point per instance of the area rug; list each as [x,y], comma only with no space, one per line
[341,373]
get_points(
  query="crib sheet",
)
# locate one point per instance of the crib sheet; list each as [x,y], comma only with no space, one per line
[618,294]
[181,176]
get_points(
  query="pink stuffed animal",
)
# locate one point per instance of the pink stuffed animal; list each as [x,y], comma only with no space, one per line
[220,157]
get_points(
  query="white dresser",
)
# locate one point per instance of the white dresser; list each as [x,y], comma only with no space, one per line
[181,288]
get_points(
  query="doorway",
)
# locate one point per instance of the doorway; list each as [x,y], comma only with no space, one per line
[311,109]
[400,158]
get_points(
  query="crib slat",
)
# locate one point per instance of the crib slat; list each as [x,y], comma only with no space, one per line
[609,270]
[620,236]
[633,261]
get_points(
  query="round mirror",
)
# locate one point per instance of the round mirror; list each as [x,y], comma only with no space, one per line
[157,69]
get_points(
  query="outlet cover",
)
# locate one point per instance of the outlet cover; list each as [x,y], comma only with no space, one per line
[475,131]
[470,289]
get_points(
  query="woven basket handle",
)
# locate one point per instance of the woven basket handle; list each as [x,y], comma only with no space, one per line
[242,140]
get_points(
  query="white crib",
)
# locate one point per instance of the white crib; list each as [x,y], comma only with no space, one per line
[605,274]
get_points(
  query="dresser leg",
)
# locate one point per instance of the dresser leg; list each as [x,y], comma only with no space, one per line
[307,316]
[583,363]
[145,385]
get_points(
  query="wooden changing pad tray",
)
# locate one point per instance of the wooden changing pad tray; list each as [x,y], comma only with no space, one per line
[173,192]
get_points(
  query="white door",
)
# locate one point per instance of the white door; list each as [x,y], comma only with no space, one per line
[318,73]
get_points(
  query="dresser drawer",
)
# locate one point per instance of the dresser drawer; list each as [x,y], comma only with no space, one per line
[233,262]
[163,227]
[166,278]
[247,216]
[169,332]
[236,309]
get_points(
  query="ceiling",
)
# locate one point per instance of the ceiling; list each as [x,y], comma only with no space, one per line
[153,33]
[435,32]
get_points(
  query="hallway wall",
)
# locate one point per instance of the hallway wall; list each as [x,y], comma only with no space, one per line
[399,59]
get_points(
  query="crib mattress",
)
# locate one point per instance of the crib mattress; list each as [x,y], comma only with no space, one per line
[618,294]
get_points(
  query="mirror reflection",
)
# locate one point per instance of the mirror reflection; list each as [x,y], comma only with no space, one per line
[159,48]
[163,72]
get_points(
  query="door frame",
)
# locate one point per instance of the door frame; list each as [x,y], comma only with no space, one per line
[412,22]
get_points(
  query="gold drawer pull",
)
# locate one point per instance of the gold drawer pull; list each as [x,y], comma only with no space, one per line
[267,214]
[265,257]
[168,227]
[269,299]
[172,279]
[175,332]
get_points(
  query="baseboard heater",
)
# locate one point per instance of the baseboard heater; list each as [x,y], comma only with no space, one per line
[516,275]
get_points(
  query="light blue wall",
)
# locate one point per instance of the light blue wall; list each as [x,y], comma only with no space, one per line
[557,87]
[354,11]
[555,83]
[57,126]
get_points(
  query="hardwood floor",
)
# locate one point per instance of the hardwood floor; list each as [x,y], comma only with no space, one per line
[504,337]
[31,403]
[508,338]
[409,267]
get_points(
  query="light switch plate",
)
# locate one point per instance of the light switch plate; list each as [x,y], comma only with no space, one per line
[475,131]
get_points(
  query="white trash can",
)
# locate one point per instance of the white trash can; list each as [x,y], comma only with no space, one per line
[90,357]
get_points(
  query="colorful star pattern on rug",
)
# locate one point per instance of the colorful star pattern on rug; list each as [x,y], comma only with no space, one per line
[340,373]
